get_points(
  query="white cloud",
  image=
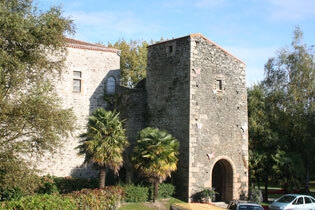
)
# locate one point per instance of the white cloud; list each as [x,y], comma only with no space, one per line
[291,9]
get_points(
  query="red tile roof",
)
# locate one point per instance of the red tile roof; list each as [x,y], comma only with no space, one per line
[73,43]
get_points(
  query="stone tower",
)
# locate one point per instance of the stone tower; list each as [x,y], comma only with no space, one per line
[196,90]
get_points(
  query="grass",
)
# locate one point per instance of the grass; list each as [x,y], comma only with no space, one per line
[161,204]
[165,204]
[312,186]
[132,206]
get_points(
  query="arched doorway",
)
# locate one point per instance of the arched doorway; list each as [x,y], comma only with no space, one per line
[222,180]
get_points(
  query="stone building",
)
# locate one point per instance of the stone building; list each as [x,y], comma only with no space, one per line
[90,70]
[194,89]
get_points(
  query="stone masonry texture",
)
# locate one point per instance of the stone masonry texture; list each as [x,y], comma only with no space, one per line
[194,89]
[197,92]
[95,64]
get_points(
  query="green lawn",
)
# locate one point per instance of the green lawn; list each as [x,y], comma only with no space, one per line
[312,186]
[164,204]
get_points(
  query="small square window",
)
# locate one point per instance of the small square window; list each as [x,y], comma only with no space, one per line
[77,74]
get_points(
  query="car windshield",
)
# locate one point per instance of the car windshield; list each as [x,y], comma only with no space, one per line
[286,199]
[249,207]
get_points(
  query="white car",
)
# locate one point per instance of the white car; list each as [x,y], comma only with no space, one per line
[293,202]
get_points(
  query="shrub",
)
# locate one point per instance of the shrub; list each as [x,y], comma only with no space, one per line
[38,202]
[16,174]
[8,194]
[106,198]
[63,185]
[47,186]
[165,190]
[70,184]
[255,195]
[136,193]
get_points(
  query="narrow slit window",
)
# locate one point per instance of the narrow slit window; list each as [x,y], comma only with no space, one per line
[170,49]
[219,84]
[77,81]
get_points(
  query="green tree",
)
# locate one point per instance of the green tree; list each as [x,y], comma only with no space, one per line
[133,61]
[16,175]
[263,140]
[31,116]
[286,169]
[104,142]
[290,88]
[155,156]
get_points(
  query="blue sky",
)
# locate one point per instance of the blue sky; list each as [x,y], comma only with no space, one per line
[251,30]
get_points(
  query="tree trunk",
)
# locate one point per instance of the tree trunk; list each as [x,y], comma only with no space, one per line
[102,177]
[129,171]
[307,179]
[265,197]
[156,190]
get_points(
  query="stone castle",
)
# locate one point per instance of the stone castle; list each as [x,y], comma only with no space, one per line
[194,89]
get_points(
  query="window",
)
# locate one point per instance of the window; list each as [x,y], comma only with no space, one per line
[77,83]
[170,49]
[218,84]
[307,200]
[111,85]
[298,201]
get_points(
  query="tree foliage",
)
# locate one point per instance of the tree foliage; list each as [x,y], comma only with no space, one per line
[263,140]
[290,93]
[104,142]
[15,175]
[155,155]
[133,61]
[31,54]
[30,115]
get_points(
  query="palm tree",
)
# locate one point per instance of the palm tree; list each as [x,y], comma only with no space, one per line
[104,142]
[155,156]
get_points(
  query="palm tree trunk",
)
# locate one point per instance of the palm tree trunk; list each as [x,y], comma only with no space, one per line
[102,177]
[156,190]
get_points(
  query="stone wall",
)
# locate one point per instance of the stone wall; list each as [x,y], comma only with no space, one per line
[218,117]
[96,64]
[168,96]
[196,91]
[134,111]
